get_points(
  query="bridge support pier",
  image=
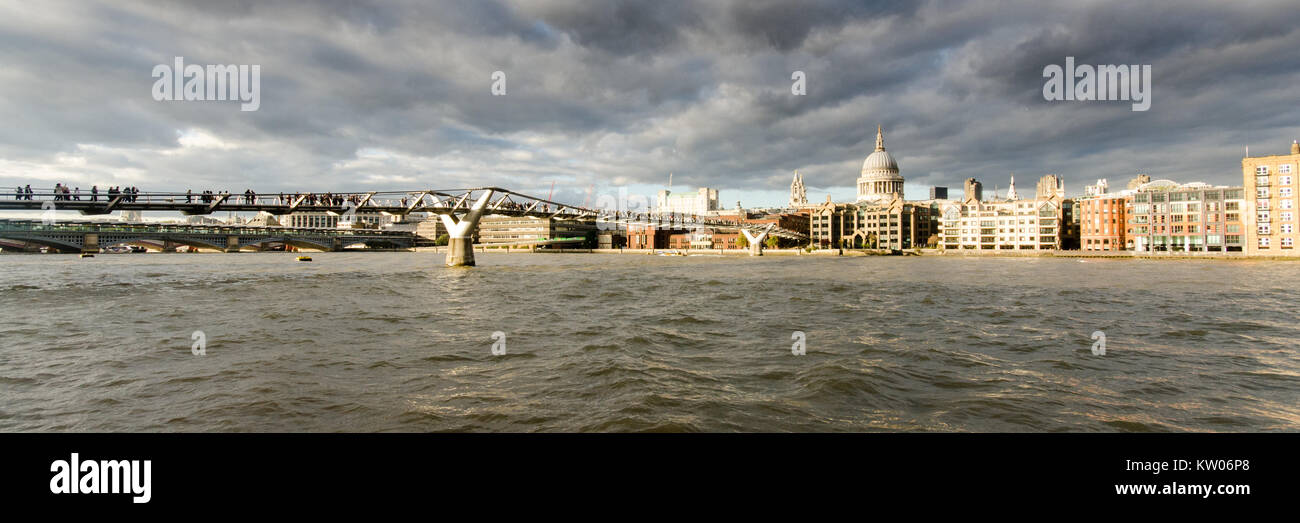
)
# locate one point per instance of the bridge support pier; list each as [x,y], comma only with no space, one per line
[460,232]
[756,240]
[232,244]
[90,243]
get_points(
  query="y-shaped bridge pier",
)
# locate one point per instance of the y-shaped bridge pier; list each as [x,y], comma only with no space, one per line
[756,239]
[460,245]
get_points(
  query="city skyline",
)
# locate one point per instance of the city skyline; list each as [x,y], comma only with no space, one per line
[621,95]
[255,241]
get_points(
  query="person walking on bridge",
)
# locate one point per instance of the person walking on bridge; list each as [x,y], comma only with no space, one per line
[94,193]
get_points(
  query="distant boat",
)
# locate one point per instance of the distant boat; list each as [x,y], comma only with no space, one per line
[304,258]
[124,249]
[87,255]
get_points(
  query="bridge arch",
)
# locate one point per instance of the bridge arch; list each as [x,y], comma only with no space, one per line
[58,244]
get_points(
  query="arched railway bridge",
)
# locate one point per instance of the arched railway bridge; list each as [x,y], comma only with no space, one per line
[70,236]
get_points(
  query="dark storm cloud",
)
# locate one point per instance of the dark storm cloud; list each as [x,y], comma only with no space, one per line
[785,25]
[622,27]
[379,95]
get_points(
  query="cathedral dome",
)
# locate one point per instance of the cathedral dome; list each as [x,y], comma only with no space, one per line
[879,160]
[879,180]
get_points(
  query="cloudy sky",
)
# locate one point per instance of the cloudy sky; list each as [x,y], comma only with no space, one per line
[371,95]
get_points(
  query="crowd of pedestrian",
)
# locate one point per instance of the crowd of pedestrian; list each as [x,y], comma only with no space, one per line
[63,192]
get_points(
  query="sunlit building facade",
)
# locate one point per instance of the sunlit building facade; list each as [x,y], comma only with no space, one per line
[1271,208]
[1040,223]
[1164,216]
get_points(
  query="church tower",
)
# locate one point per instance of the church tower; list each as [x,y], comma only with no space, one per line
[798,193]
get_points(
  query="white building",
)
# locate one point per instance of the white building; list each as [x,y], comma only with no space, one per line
[1098,189]
[702,201]
[361,219]
[1036,224]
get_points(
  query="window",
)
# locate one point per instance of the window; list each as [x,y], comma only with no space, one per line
[1261,170]
[1261,192]
[1263,243]
[1284,192]
[1286,203]
[1285,180]
[1286,217]
[1284,169]
[1286,228]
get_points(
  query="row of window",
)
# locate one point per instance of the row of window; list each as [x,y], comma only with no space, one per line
[1285,228]
[1262,170]
[1266,216]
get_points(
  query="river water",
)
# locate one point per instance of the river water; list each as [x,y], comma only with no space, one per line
[397,342]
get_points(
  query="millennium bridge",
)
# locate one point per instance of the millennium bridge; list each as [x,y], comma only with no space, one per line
[459,209]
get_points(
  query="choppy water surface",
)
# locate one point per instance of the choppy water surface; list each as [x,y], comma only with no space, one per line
[397,342]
